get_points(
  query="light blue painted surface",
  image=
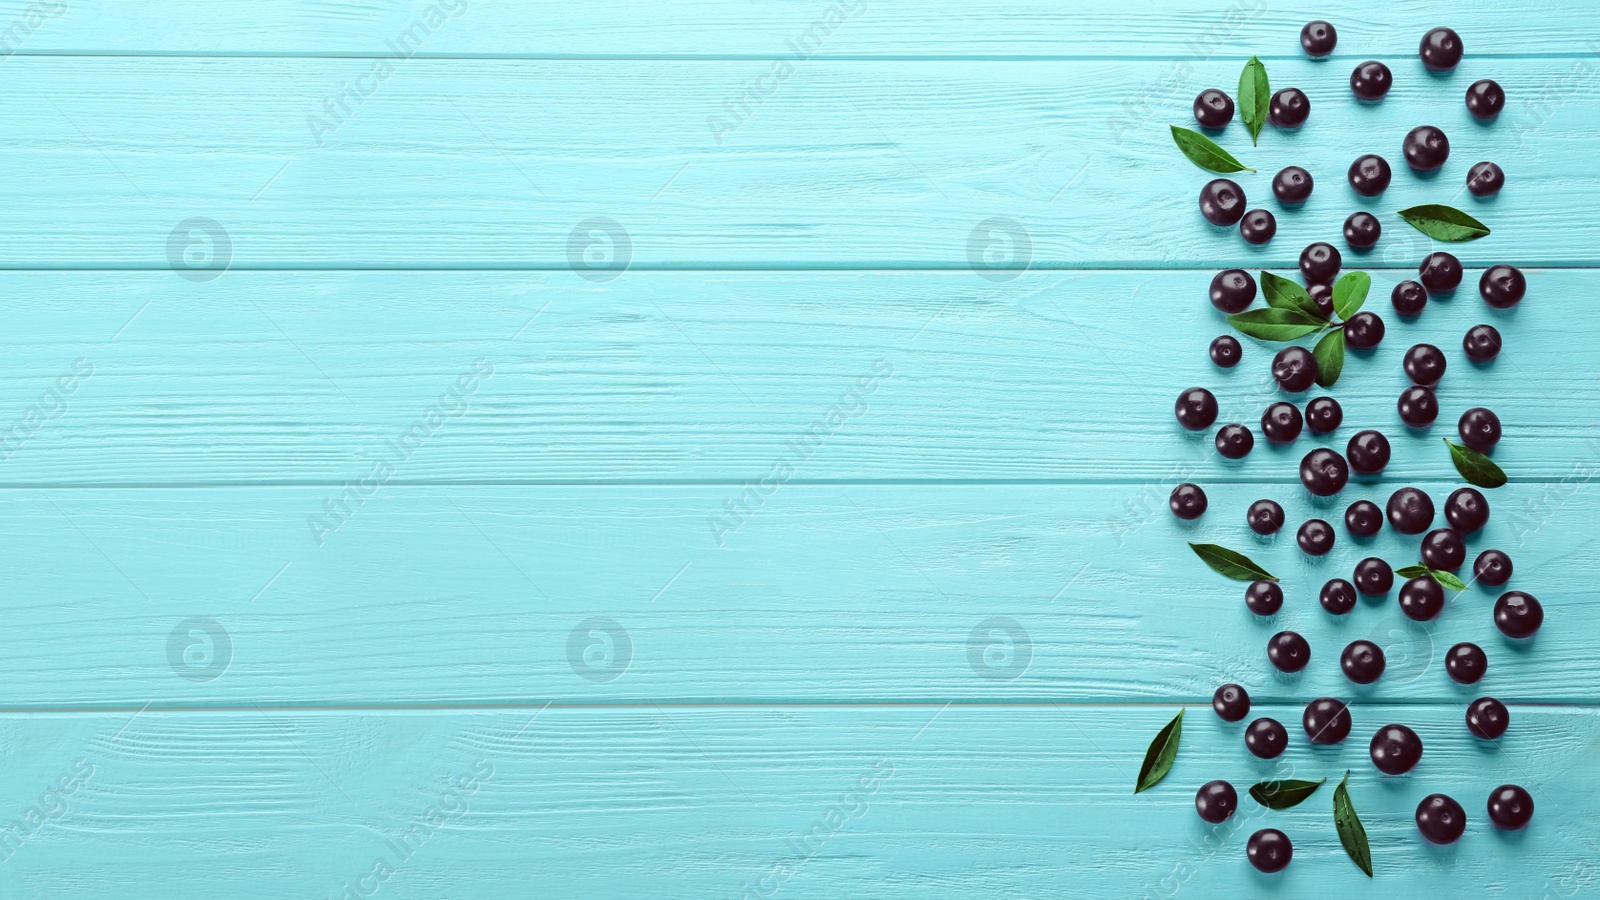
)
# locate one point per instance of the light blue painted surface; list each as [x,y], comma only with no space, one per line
[538,650]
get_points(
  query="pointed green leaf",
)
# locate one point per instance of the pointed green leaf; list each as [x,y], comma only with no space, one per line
[1255,93]
[1231,564]
[1276,324]
[1351,834]
[1444,223]
[1447,580]
[1284,794]
[1349,292]
[1281,293]
[1204,152]
[1475,467]
[1163,750]
[1329,353]
[1416,571]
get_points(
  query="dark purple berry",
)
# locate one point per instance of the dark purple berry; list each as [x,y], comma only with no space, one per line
[1518,614]
[1424,364]
[1373,577]
[1510,807]
[1440,50]
[1196,409]
[1324,472]
[1326,720]
[1395,749]
[1440,819]
[1418,406]
[1264,516]
[1269,850]
[1408,297]
[1288,651]
[1363,518]
[1338,596]
[1466,509]
[1264,598]
[1225,351]
[1258,226]
[1492,568]
[1362,662]
[1323,415]
[1235,441]
[1213,109]
[1216,801]
[1481,343]
[1465,663]
[1281,423]
[1479,429]
[1231,702]
[1426,148]
[1443,548]
[1485,99]
[1315,537]
[1440,273]
[1410,511]
[1502,287]
[1362,230]
[1485,179]
[1265,738]
[1187,501]
[1292,186]
[1232,290]
[1294,369]
[1368,452]
[1222,202]
[1289,108]
[1363,331]
[1320,263]
[1369,175]
[1371,80]
[1318,38]
[1322,295]
[1421,598]
[1488,718]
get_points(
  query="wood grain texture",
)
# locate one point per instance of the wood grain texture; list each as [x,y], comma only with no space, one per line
[876,164]
[304,377]
[696,802]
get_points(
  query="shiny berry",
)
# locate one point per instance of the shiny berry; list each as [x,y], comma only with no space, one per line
[1410,511]
[1440,273]
[1187,501]
[1408,297]
[1322,295]
[1418,406]
[1264,598]
[1232,290]
[1485,99]
[1269,850]
[1440,50]
[1371,80]
[1294,369]
[1510,807]
[1485,179]
[1324,472]
[1338,596]
[1258,226]
[1518,614]
[1318,38]
[1320,262]
[1426,148]
[1235,441]
[1216,801]
[1231,702]
[1265,738]
[1421,598]
[1424,364]
[1288,651]
[1373,577]
[1395,749]
[1368,452]
[1281,423]
[1225,351]
[1315,537]
[1264,516]
[1213,109]
[1466,509]
[1222,202]
[1362,662]
[1492,568]
[1465,663]
[1326,720]
[1363,518]
[1369,175]
[1479,429]
[1196,409]
[1323,415]
[1292,186]
[1488,718]
[1363,331]
[1442,548]
[1481,343]
[1440,819]
[1362,230]
[1289,108]
[1502,287]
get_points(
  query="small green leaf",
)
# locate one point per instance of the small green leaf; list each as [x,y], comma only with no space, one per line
[1349,292]
[1351,834]
[1416,571]
[1444,223]
[1283,794]
[1163,750]
[1255,93]
[1276,324]
[1329,354]
[1475,467]
[1231,564]
[1204,152]
[1281,293]
[1445,579]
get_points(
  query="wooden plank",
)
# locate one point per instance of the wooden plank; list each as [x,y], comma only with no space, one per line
[489,595]
[712,802]
[1162,29]
[304,377]
[877,164]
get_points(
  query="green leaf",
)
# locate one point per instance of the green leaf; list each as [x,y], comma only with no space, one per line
[1231,564]
[1475,467]
[1163,750]
[1444,223]
[1204,152]
[1281,293]
[1445,579]
[1329,354]
[1284,794]
[1276,324]
[1416,571]
[1351,834]
[1254,96]
[1349,292]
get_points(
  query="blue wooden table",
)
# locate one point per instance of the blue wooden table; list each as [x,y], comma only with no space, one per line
[721,449]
